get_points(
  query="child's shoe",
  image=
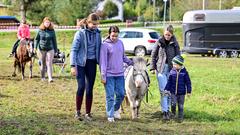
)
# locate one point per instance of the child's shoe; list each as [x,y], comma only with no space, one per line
[111,120]
[88,117]
[11,55]
[117,115]
[78,116]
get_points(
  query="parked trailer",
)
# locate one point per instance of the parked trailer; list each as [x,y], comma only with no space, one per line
[212,32]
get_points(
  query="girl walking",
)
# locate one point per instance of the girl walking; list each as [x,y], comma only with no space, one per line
[112,73]
[84,58]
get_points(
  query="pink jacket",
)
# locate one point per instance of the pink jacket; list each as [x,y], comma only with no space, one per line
[23,31]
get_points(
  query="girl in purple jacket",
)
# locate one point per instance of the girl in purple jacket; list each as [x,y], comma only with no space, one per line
[112,73]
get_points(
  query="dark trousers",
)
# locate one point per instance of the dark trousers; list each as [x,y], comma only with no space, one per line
[14,49]
[85,79]
[177,100]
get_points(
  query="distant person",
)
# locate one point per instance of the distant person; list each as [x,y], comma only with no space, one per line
[84,58]
[179,84]
[46,44]
[165,49]
[22,33]
[112,72]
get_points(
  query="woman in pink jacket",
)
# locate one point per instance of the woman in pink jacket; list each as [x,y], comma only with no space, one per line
[23,33]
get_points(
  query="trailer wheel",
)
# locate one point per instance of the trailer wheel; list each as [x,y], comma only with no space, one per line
[234,54]
[222,54]
[203,55]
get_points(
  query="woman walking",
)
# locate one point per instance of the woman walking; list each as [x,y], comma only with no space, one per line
[84,58]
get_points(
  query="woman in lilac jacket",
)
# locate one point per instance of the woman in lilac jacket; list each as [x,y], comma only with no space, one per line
[112,73]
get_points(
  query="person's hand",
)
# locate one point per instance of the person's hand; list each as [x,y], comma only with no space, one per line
[103,81]
[73,71]
[153,71]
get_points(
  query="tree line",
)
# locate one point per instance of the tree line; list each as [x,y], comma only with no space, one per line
[66,12]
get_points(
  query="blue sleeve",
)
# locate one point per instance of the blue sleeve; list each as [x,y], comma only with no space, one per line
[188,83]
[169,83]
[75,48]
[103,62]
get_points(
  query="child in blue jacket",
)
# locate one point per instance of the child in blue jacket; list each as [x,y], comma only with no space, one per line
[178,85]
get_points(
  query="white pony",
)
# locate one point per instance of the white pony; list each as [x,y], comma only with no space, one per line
[136,84]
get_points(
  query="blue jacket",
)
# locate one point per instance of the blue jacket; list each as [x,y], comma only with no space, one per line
[78,55]
[179,82]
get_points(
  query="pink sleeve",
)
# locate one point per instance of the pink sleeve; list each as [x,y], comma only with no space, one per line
[28,32]
[19,33]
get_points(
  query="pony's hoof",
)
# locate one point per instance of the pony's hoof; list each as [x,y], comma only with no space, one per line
[13,75]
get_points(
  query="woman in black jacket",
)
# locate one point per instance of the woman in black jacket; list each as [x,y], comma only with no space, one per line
[165,49]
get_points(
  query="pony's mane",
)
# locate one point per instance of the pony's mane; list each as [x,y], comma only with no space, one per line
[139,63]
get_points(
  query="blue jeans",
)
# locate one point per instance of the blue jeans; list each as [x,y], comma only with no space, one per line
[114,85]
[162,82]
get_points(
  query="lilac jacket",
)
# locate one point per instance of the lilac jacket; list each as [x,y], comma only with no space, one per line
[112,57]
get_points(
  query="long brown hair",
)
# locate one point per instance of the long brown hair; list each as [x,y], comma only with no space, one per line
[42,27]
[93,17]
[112,29]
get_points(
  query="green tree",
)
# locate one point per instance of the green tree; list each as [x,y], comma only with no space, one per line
[141,7]
[110,9]
[128,11]
[64,12]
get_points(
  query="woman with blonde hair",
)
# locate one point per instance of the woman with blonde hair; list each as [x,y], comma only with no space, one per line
[46,44]
[84,58]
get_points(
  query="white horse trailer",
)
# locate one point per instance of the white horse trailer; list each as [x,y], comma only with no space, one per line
[212,32]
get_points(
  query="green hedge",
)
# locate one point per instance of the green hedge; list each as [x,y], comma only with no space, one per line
[110,21]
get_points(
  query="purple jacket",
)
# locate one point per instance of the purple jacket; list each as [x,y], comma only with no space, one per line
[112,57]
[179,82]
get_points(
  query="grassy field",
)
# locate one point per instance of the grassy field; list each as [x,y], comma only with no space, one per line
[33,107]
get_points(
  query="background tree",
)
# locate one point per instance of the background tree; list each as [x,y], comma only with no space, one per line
[128,12]
[141,7]
[110,9]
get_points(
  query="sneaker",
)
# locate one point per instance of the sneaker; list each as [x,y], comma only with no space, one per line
[111,120]
[10,55]
[165,116]
[88,117]
[50,80]
[117,115]
[78,116]
[180,120]
[43,79]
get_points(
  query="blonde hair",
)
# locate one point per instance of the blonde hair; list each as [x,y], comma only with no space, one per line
[93,17]
[42,27]
[170,29]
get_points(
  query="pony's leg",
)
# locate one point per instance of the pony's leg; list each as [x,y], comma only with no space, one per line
[22,68]
[138,107]
[30,66]
[14,71]
[134,109]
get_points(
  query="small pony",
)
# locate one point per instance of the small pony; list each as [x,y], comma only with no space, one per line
[136,84]
[24,54]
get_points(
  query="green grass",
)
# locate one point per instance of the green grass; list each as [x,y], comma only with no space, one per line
[33,107]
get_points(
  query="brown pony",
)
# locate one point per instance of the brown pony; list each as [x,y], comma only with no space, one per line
[24,54]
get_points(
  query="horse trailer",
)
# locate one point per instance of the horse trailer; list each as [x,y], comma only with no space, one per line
[212,32]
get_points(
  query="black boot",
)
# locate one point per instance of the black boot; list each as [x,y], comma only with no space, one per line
[173,114]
